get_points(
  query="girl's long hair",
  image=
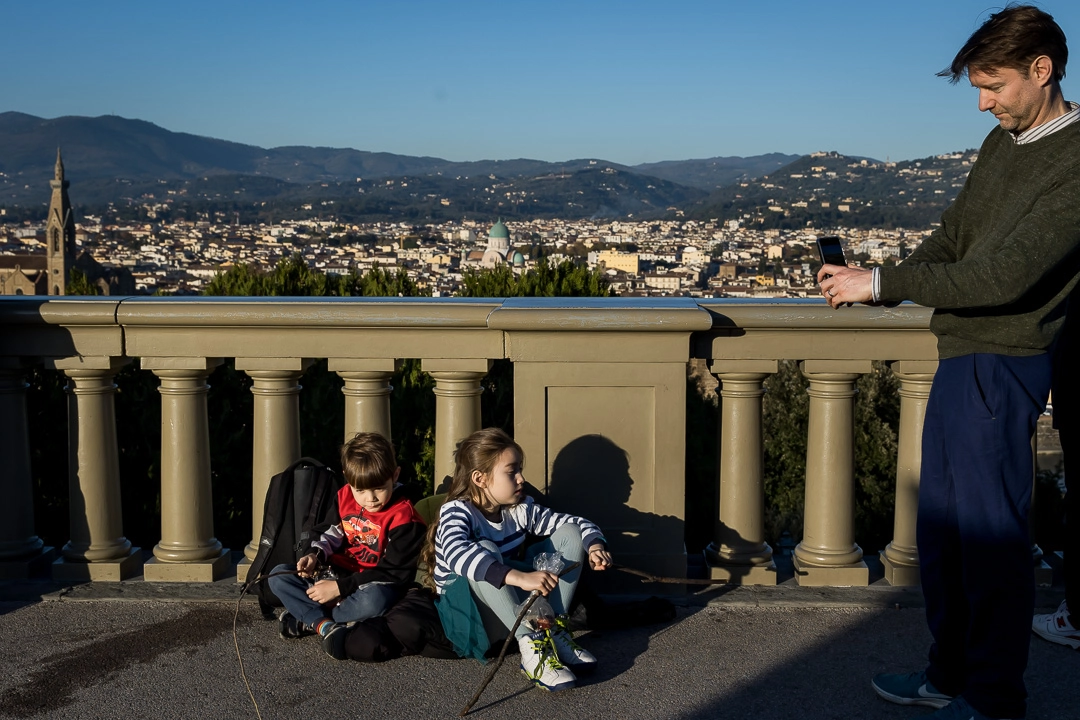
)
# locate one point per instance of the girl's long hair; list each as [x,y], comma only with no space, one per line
[479,451]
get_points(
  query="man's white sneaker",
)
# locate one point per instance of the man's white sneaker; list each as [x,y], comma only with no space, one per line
[575,657]
[540,663]
[1056,627]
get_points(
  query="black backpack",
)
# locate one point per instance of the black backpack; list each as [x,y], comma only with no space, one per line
[301,498]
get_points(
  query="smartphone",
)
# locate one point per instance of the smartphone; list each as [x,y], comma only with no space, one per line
[831,251]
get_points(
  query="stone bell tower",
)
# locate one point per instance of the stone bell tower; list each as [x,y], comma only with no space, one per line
[59,232]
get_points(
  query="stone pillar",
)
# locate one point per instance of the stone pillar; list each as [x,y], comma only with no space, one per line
[457,407]
[275,431]
[367,394]
[188,550]
[97,549]
[739,553]
[900,558]
[22,552]
[828,554]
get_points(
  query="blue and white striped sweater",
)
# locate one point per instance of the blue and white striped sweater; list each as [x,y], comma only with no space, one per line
[462,526]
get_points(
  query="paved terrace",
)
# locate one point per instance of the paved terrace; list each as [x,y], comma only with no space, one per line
[136,649]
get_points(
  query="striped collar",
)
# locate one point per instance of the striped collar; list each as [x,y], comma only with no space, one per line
[1041,131]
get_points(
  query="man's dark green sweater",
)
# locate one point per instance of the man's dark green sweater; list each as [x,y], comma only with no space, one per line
[1007,254]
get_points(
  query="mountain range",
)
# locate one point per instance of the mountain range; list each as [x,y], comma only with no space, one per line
[133,165]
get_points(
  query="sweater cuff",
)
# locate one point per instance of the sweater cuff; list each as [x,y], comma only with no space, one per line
[496,574]
[591,539]
[348,585]
[889,284]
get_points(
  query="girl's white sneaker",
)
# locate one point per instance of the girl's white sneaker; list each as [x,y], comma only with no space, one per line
[540,663]
[575,657]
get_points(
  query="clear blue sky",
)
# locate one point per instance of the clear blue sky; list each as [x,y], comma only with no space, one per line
[626,81]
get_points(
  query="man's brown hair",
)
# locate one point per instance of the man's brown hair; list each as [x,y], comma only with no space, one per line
[368,461]
[1012,38]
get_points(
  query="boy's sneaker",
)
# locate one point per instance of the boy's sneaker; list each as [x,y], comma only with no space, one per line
[540,662]
[333,643]
[1056,627]
[910,689]
[575,657]
[958,709]
[289,627]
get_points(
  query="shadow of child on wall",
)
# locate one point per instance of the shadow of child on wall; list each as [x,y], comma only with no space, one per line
[591,477]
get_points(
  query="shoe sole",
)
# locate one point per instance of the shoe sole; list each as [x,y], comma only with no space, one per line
[1057,639]
[933,702]
[548,688]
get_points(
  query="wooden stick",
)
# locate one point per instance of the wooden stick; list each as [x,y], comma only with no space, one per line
[647,577]
[506,644]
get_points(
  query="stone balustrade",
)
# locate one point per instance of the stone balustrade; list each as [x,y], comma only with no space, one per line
[599,408]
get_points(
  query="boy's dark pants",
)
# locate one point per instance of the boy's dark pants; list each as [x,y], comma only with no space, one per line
[974,550]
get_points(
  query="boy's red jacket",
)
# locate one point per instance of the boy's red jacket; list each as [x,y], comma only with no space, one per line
[381,546]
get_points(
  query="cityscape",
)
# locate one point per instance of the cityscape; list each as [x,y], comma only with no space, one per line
[737,257]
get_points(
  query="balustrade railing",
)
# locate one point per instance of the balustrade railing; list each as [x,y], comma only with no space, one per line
[599,408]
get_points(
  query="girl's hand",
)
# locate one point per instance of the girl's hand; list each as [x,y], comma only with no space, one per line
[599,557]
[324,591]
[540,580]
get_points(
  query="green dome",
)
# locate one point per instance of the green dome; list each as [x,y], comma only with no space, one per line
[499,230]
[518,258]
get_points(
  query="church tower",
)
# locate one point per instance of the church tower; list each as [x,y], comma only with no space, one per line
[59,232]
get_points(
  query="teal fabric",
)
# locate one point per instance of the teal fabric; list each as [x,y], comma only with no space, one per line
[461,620]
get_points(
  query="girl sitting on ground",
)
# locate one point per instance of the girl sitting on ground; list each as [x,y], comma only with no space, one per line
[481,536]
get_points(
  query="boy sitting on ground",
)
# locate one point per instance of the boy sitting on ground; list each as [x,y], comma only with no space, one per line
[371,553]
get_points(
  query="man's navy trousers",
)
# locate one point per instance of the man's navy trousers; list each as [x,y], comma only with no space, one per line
[974,548]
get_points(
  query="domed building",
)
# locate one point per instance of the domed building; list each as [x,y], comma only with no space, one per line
[498,248]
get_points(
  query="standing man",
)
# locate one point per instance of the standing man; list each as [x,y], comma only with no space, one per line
[997,273]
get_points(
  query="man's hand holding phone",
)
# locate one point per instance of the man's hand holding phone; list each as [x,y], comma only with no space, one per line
[840,283]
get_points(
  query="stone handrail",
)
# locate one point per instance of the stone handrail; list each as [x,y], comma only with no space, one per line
[599,410]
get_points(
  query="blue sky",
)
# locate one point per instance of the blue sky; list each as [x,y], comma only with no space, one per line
[627,81]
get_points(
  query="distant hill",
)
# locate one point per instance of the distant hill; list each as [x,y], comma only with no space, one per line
[112,158]
[715,172]
[140,168]
[829,189]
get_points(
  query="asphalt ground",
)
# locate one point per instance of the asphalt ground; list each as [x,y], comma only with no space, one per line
[139,650]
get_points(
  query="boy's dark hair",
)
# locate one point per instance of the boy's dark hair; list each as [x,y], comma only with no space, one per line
[1012,38]
[368,461]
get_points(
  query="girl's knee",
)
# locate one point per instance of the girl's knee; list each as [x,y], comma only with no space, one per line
[491,548]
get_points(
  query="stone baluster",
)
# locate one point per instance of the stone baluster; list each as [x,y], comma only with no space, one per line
[739,553]
[900,558]
[828,554]
[22,552]
[97,549]
[188,550]
[367,394]
[275,433]
[457,407]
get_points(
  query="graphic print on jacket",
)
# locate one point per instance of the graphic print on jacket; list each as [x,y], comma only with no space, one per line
[363,538]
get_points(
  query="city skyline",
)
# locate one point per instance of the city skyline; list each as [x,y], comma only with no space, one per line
[628,82]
